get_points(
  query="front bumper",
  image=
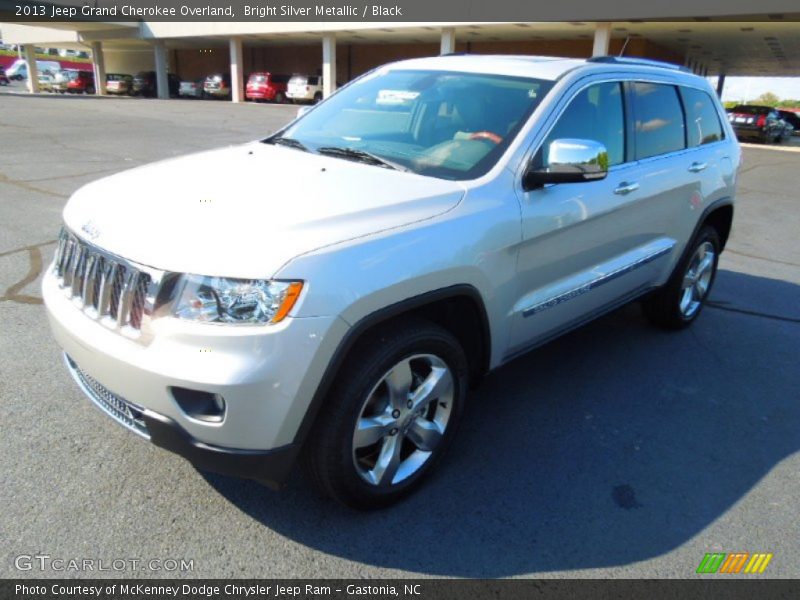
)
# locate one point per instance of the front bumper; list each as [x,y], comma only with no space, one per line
[270,467]
[266,375]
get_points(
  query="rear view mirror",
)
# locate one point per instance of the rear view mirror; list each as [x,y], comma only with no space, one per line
[569,161]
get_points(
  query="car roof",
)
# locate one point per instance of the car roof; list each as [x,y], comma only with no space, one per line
[540,67]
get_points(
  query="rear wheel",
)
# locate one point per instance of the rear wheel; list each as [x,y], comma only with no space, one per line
[390,415]
[679,302]
[280,98]
[317,97]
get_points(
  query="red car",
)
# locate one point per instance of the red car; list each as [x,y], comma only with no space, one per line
[266,86]
[81,82]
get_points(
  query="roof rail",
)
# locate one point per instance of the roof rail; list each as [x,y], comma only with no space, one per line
[644,62]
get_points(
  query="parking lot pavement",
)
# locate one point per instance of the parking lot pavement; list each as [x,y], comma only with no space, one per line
[616,451]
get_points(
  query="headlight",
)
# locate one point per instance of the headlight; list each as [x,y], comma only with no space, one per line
[222,300]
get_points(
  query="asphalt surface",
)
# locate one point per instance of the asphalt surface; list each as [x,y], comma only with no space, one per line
[616,451]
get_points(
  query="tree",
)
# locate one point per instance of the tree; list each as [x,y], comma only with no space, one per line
[767,98]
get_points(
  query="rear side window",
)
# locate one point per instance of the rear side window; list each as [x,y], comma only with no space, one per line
[659,126]
[702,119]
[596,114]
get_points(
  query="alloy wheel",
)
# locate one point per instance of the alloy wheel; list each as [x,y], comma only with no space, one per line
[697,279]
[403,420]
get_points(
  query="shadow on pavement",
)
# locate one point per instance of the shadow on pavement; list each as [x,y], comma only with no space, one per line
[614,444]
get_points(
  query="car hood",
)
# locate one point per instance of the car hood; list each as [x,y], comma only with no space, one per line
[247,210]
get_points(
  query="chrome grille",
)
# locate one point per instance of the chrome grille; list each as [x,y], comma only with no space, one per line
[123,412]
[106,287]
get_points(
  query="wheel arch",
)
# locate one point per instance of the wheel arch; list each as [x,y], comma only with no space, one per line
[720,216]
[449,307]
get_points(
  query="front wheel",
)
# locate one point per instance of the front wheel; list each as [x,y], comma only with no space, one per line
[390,415]
[679,302]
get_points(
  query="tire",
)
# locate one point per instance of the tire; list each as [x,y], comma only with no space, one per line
[317,97]
[280,98]
[414,352]
[676,306]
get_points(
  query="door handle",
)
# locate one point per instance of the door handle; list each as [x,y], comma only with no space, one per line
[626,188]
[697,167]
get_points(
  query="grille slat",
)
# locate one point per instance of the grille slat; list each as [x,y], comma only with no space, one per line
[125,298]
[88,279]
[109,272]
[106,286]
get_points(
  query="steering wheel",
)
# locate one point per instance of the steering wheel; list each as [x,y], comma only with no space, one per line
[486,135]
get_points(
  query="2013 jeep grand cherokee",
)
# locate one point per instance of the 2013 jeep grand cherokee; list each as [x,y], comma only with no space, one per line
[426,224]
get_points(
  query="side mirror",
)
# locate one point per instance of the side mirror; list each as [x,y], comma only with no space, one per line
[303,110]
[569,161]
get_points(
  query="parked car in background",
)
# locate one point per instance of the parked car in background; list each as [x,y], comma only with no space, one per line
[304,88]
[191,89]
[144,84]
[61,79]
[119,83]
[217,86]
[46,82]
[792,118]
[81,82]
[267,86]
[756,123]
[3,77]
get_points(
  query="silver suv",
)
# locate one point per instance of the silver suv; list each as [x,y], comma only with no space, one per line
[425,225]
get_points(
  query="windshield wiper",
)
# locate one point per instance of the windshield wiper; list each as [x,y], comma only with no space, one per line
[361,156]
[287,141]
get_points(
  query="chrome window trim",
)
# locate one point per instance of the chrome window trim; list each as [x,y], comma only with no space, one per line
[584,288]
[595,79]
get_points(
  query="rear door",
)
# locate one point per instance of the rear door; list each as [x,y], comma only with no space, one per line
[709,159]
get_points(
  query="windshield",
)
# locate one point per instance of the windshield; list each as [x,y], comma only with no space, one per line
[443,124]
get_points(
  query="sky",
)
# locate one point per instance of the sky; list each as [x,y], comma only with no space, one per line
[749,88]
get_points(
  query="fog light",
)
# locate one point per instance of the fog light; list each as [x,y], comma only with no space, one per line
[203,406]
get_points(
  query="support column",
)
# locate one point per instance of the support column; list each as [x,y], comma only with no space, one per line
[162,81]
[720,83]
[448,40]
[602,39]
[237,70]
[29,50]
[328,64]
[99,69]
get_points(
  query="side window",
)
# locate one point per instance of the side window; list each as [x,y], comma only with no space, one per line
[702,119]
[659,119]
[597,114]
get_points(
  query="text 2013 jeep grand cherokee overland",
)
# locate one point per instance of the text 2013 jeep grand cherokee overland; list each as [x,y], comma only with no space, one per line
[426,224]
